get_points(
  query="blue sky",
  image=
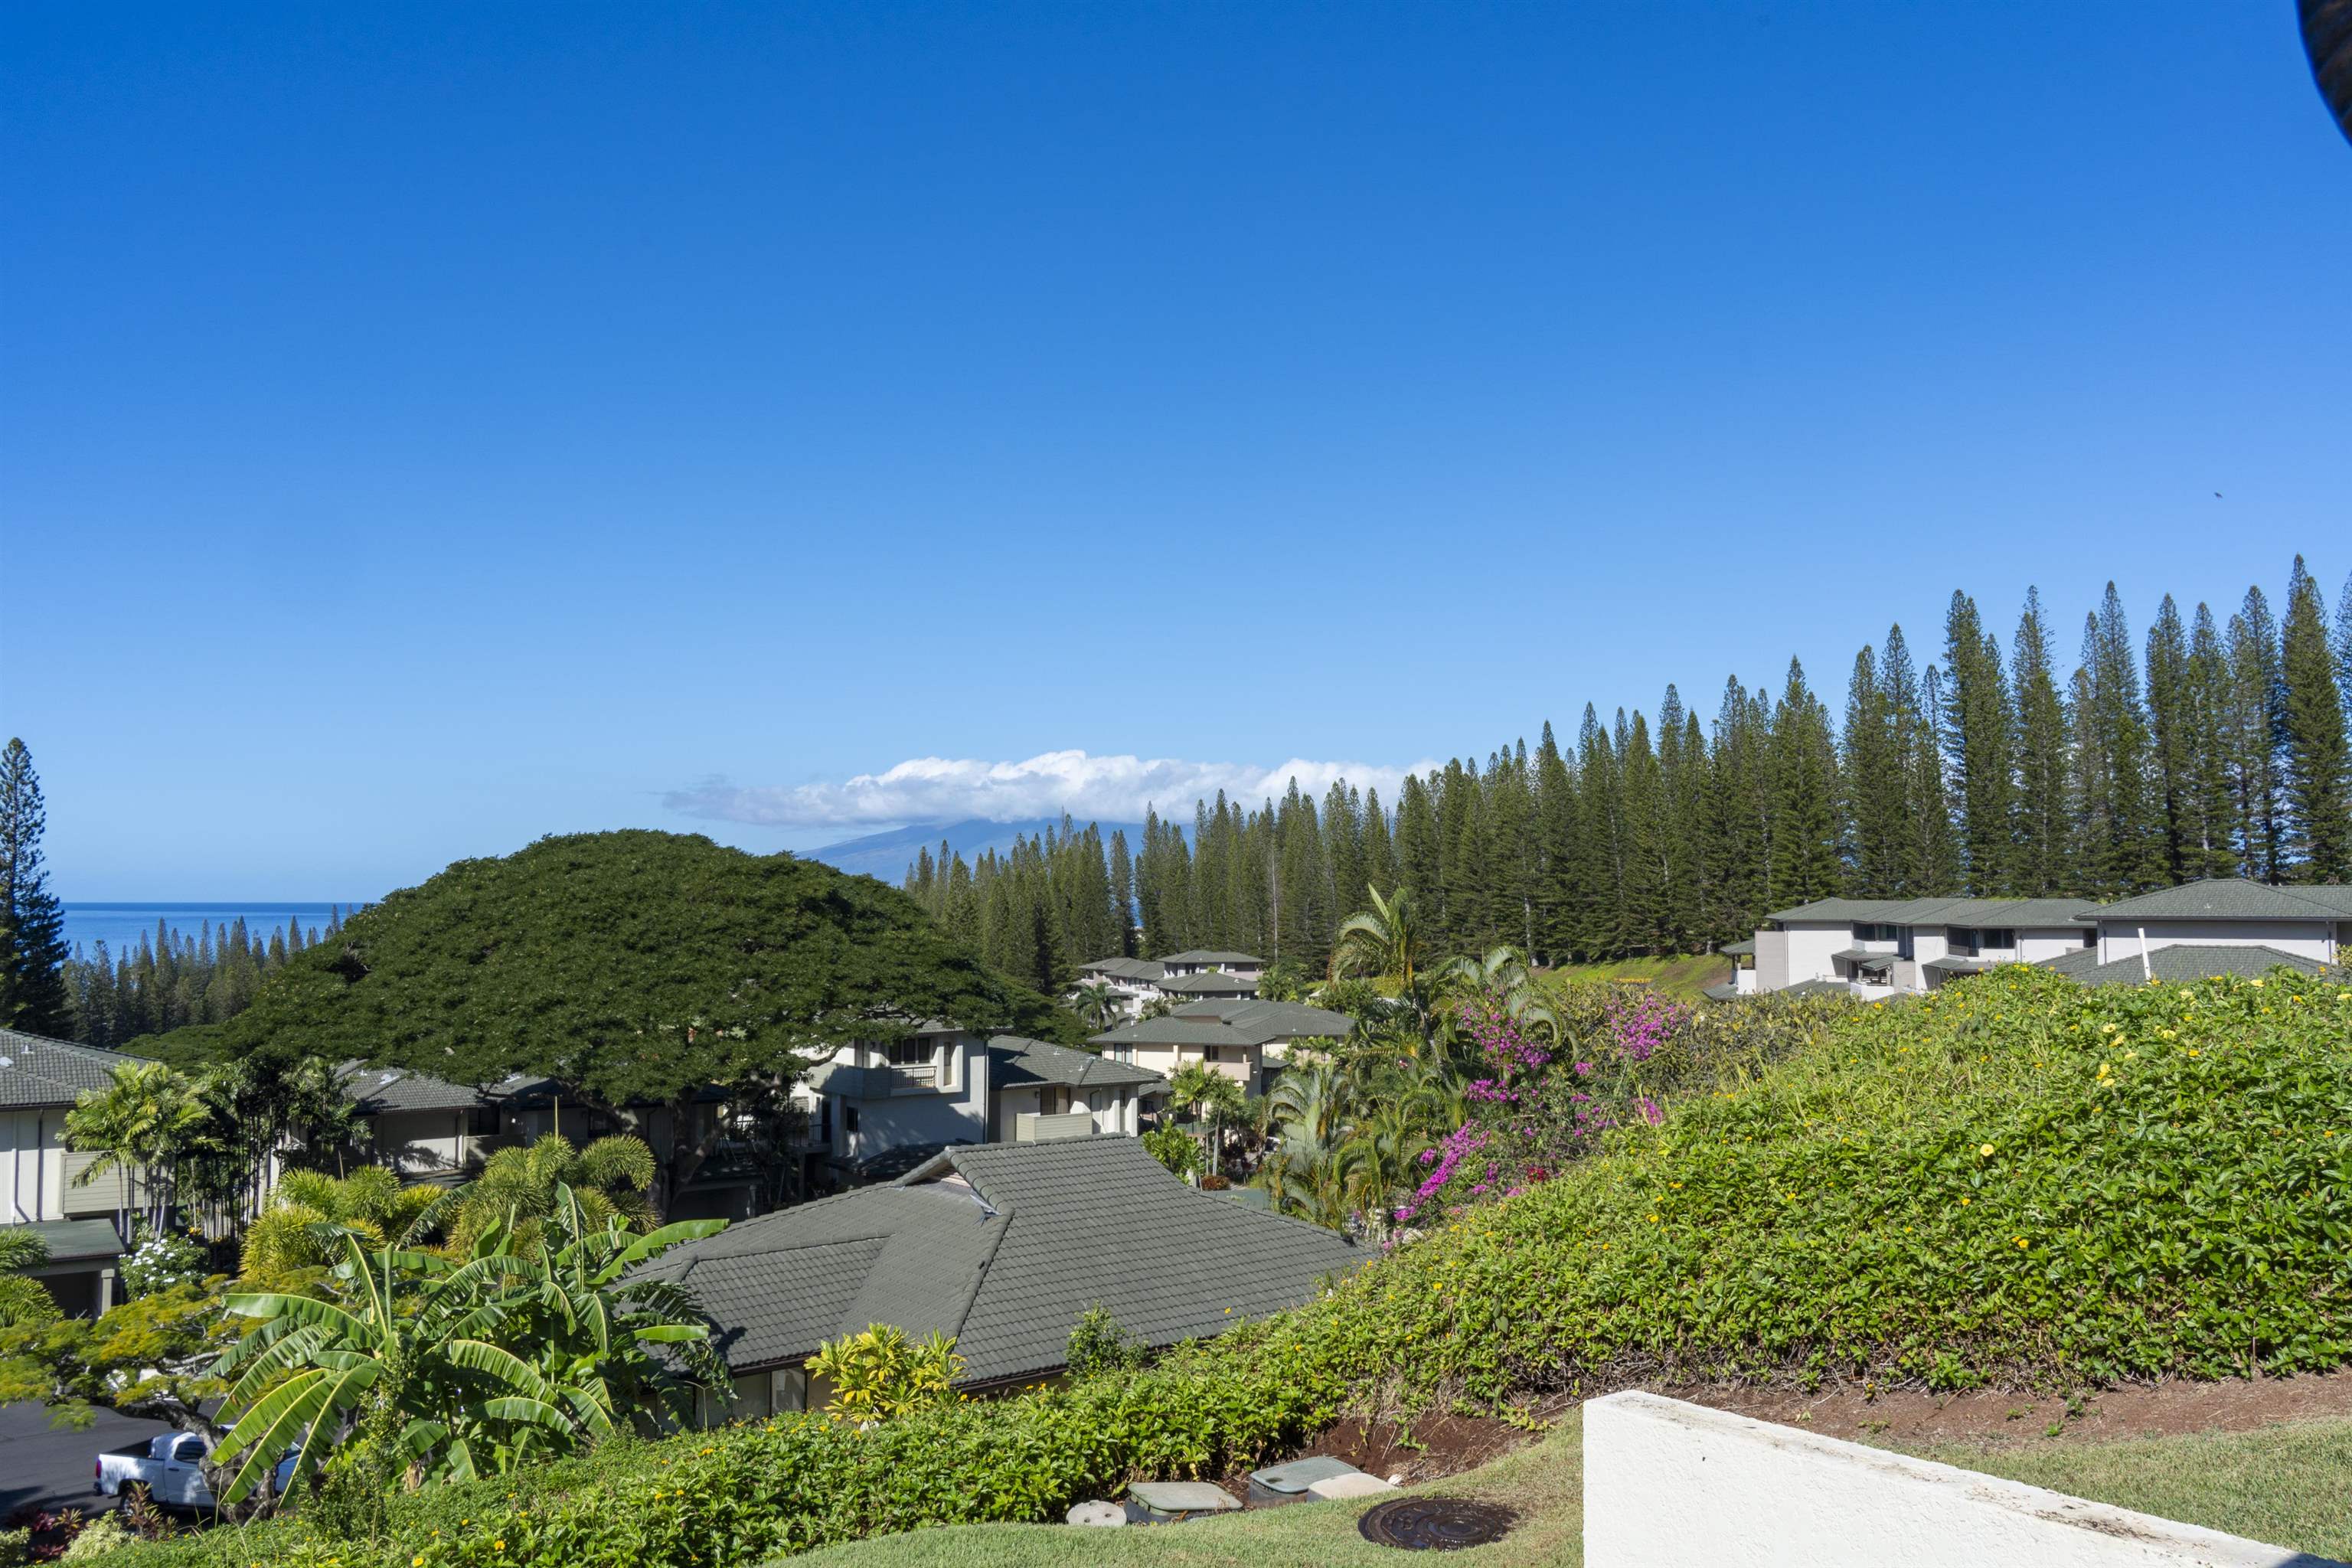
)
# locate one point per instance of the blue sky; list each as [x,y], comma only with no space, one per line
[425,427]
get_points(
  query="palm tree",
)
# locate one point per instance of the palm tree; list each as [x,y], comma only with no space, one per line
[148,1122]
[1383,940]
[1503,974]
[24,1302]
[1098,1005]
[1200,1089]
[517,1188]
[302,1226]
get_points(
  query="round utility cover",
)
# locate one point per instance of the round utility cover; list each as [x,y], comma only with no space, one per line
[1436,1523]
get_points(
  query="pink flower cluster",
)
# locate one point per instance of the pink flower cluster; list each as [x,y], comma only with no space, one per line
[1445,1160]
[1641,1021]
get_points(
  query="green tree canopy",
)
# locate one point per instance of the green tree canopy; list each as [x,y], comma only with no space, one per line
[637,967]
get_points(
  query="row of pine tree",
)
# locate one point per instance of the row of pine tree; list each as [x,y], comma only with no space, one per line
[2215,747]
[174,979]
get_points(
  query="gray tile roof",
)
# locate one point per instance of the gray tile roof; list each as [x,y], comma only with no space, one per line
[1212,982]
[1864,958]
[74,1240]
[1208,955]
[1124,968]
[1015,1062]
[2184,960]
[38,1071]
[1247,1022]
[2227,899]
[1723,993]
[1943,910]
[1957,966]
[1742,948]
[376,1090]
[1816,988]
[1003,1246]
[2074,966]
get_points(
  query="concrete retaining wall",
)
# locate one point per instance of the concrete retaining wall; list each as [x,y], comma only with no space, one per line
[1671,1485]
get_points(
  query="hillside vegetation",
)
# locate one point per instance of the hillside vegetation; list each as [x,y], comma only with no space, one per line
[2014,1180]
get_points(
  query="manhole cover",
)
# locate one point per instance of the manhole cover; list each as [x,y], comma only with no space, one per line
[1436,1523]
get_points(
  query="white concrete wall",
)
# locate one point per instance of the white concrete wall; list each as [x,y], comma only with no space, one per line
[1671,1485]
[1772,961]
[2305,939]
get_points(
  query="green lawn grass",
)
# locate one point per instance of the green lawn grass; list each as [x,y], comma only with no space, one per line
[1684,977]
[2289,1485]
[1544,1481]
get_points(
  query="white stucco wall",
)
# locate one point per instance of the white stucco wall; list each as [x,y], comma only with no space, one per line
[1773,961]
[2053,941]
[1810,945]
[1671,1485]
[32,1165]
[2305,939]
[423,1143]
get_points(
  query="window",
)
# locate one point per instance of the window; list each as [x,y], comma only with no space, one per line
[482,1121]
[824,1118]
[1864,932]
[188,1451]
[2090,937]
[849,1118]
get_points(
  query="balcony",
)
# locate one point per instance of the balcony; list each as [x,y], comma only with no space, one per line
[1036,1127]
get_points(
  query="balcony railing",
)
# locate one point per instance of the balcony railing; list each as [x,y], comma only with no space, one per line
[1036,1127]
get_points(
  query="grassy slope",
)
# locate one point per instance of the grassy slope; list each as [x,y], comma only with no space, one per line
[1685,976]
[2285,1484]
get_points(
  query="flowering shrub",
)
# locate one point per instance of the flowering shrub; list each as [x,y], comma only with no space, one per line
[160,1261]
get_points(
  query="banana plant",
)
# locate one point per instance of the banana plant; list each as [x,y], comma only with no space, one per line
[484,1362]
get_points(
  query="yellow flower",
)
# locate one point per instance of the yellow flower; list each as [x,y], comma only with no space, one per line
[2020,1241]
[1985,1150]
[2257,984]
[1966,1202]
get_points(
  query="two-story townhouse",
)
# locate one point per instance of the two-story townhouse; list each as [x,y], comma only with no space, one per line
[40,1080]
[1876,948]
[1246,1040]
[1200,961]
[1134,981]
[2219,926]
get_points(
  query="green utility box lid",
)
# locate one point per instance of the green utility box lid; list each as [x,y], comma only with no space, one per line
[1291,1480]
[1164,1502]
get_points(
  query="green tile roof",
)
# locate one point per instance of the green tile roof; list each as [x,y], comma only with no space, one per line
[1015,1062]
[1816,988]
[2183,961]
[1740,949]
[1723,993]
[74,1240]
[2074,964]
[1003,1246]
[2227,899]
[1209,955]
[35,1070]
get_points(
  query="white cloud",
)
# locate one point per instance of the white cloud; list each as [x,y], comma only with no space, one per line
[1090,788]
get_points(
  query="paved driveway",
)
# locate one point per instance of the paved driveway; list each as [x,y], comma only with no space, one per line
[43,1466]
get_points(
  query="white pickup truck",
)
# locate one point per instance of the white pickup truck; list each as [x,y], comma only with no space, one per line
[167,1467]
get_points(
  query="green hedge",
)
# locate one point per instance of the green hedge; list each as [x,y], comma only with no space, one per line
[2013,1180]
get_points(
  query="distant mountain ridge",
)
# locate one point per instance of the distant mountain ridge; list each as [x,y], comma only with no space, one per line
[886,855]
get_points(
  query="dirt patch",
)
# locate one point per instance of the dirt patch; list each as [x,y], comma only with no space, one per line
[1419,1450]
[1914,1419]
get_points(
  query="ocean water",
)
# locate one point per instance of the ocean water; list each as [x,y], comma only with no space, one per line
[119,926]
